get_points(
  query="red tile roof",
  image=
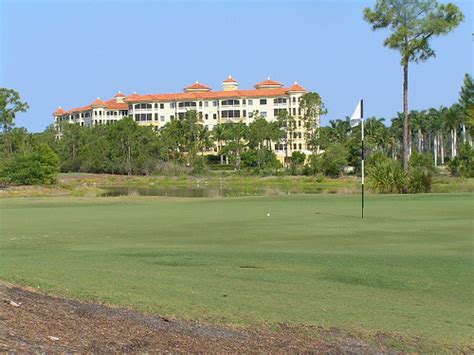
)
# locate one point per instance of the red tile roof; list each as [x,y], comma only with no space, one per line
[210,95]
[268,82]
[119,94]
[98,102]
[197,86]
[230,79]
[132,96]
[59,111]
[114,105]
[296,87]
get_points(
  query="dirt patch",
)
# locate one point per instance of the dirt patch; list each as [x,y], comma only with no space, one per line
[34,322]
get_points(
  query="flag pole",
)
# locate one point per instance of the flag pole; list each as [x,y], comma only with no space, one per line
[362,153]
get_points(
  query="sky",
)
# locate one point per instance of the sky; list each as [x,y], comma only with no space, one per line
[68,53]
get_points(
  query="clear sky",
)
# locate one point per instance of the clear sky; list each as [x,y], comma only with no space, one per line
[67,53]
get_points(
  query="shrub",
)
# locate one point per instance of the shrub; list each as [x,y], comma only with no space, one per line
[386,176]
[267,158]
[40,166]
[333,159]
[463,164]
[418,160]
[199,165]
[420,173]
[419,180]
[297,159]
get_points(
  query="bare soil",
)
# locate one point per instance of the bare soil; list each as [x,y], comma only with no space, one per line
[35,322]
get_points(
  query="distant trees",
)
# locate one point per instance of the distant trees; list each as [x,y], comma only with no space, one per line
[435,136]
[412,23]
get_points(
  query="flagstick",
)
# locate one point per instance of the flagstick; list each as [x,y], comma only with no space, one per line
[362,162]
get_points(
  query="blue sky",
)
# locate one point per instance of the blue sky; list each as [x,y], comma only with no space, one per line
[67,53]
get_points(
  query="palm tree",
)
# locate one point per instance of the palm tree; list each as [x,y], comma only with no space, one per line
[454,117]
[218,133]
[435,125]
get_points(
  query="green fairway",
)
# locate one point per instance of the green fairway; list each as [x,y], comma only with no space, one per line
[407,268]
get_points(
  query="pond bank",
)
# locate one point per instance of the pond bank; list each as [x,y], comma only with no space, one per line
[227,185]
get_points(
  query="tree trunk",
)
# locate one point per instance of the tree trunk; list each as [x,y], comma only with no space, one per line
[452,144]
[419,141]
[405,116]
[463,133]
[455,142]
[442,147]
[435,150]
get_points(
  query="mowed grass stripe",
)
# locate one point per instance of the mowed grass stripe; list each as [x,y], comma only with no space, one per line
[406,268]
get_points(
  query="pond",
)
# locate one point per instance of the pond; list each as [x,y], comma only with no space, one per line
[201,192]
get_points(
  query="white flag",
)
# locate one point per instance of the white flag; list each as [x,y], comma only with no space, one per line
[357,115]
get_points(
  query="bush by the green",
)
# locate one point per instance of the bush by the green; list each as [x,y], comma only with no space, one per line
[40,166]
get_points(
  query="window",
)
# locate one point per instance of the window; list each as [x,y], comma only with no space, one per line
[187,104]
[294,111]
[214,116]
[299,112]
[250,114]
[181,115]
[250,102]
[171,117]
[279,100]
[172,104]
[243,101]
[263,101]
[299,134]
[100,113]
[244,113]
[162,106]
[156,105]
[137,117]
[130,107]
[162,118]
[156,117]
[277,111]
[263,114]
[299,123]
[115,113]
[294,99]
[143,107]
[200,103]
[214,103]
[299,145]
[230,103]
[294,146]
[206,116]
[230,114]
[206,103]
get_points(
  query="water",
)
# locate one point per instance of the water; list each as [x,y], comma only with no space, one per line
[199,192]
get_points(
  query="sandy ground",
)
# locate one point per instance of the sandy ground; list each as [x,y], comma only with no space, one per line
[34,322]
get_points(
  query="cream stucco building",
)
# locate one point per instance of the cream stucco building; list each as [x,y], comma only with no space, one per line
[267,99]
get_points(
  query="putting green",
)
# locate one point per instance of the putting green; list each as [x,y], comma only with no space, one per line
[407,268]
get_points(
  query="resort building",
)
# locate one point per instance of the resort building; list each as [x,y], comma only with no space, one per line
[267,99]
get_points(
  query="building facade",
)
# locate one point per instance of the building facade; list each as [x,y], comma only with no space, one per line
[267,99]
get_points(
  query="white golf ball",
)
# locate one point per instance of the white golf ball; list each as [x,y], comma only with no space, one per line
[268,214]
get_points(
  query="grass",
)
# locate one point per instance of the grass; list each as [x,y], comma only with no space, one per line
[406,269]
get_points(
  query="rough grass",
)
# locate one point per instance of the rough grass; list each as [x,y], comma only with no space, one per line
[406,269]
